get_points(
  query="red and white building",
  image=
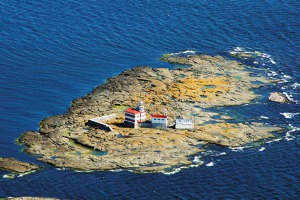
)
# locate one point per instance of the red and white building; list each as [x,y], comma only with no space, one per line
[160,121]
[133,116]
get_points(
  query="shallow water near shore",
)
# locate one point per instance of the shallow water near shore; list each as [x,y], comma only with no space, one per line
[53,52]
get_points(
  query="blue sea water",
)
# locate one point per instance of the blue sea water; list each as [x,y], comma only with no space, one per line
[52,52]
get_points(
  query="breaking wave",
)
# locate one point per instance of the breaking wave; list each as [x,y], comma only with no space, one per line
[274,140]
[178,169]
[262,149]
[184,53]
[236,148]
[210,164]
[263,117]
[257,57]
[289,115]
[288,135]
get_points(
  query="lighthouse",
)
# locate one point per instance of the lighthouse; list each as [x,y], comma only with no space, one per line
[134,116]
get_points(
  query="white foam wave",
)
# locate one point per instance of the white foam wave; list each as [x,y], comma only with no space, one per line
[239,49]
[287,76]
[266,58]
[264,55]
[288,135]
[116,170]
[264,117]
[61,168]
[10,176]
[295,85]
[260,58]
[289,96]
[274,140]
[189,52]
[277,140]
[176,170]
[272,61]
[289,115]
[244,51]
[186,53]
[172,172]
[262,149]
[237,148]
[197,159]
[221,154]
[283,81]
[14,175]
[272,73]
[210,164]
[284,87]
[208,152]
[82,171]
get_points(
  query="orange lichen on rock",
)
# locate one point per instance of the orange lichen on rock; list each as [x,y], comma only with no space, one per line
[198,89]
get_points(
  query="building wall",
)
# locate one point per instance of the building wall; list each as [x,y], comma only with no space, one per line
[159,126]
[130,124]
[100,125]
[141,117]
[184,126]
[146,124]
[99,122]
[105,118]
[159,120]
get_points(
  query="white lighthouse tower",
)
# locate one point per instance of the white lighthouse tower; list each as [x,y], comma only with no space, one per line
[135,116]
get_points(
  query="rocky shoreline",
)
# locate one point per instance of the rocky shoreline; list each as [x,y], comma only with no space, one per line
[210,81]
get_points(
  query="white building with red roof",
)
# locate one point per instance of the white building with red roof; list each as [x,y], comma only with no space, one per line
[160,121]
[134,116]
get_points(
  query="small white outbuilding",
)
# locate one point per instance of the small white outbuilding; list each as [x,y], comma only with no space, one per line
[184,124]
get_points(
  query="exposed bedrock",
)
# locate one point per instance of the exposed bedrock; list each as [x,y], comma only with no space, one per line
[15,166]
[66,141]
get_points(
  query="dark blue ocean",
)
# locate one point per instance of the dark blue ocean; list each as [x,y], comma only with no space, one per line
[52,52]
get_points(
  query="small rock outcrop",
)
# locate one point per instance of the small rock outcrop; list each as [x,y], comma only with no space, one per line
[16,166]
[278,97]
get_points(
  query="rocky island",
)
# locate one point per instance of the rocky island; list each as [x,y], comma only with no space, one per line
[202,82]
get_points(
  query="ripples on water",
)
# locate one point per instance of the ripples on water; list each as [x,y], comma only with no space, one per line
[53,52]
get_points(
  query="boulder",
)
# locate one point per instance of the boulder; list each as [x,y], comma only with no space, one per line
[278,97]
